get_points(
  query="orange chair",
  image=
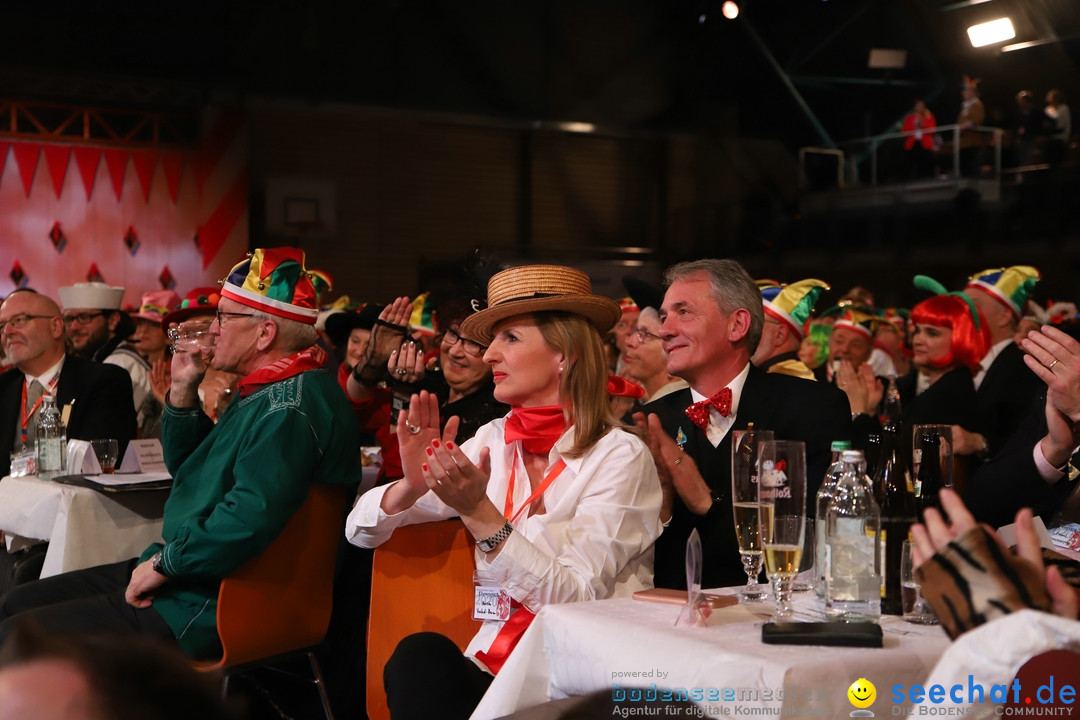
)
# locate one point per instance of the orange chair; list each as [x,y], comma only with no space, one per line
[278,603]
[421,580]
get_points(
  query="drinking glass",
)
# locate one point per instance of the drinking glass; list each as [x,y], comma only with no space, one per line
[916,609]
[192,336]
[106,451]
[744,502]
[944,433]
[782,516]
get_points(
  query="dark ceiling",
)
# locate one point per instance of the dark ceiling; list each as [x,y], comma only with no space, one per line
[641,65]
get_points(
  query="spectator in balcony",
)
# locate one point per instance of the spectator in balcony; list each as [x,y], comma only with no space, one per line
[919,148]
[1057,144]
[972,114]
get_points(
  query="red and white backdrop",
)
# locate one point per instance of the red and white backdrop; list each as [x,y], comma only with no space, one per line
[141,218]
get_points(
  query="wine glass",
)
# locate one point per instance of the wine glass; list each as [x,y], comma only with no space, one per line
[744,501]
[782,516]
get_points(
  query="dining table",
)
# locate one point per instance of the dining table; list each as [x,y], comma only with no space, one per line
[634,649]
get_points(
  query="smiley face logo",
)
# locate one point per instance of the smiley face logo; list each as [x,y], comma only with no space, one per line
[862,693]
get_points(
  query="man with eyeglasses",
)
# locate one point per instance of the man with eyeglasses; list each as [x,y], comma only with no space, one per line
[97,329]
[236,483]
[95,399]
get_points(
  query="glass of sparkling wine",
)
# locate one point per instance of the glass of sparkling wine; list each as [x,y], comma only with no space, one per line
[744,500]
[782,517]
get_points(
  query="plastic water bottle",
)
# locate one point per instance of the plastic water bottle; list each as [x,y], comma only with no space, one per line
[824,496]
[51,440]
[852,564]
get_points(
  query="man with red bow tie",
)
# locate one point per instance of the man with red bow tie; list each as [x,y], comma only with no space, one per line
[712,320]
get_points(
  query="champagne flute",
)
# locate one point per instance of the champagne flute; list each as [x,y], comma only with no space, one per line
[744,501]
[782,497]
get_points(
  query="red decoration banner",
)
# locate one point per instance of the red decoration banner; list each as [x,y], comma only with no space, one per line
[26,157]
[217,143]
[213,234]
[172,165]
[57,158]
[145,162]
[116,161]
[87,160]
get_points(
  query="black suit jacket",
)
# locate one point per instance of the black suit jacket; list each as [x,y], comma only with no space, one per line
[794,409]
[1011,480]
[100,397]
[1008,393]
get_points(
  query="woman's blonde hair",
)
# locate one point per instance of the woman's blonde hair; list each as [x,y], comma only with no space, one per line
[583,382]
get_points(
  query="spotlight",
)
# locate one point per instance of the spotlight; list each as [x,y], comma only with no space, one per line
[988,33]
[730,10]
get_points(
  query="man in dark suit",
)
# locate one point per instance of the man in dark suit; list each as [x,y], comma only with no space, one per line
[712,320]
[1037,467]
[94,399]
[1005,390]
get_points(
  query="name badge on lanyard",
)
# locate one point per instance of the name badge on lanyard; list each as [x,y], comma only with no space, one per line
[490,602]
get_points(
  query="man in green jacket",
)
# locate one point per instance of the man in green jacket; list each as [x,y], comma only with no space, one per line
[237,483]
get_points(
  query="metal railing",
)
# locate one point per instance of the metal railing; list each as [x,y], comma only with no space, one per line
[851,154]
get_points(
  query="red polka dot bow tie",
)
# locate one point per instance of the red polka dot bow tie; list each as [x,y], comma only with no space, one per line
[699,411]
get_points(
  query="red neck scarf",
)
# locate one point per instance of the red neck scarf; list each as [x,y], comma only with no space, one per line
[536,427]
[310,359]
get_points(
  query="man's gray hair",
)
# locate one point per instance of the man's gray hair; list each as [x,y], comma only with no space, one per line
[732,288]
[293,335]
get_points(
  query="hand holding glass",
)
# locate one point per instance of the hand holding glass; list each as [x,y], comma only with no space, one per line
[782,516]
[744,501]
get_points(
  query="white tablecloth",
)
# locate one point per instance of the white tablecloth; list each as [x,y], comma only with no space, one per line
[84,527]
[582,648]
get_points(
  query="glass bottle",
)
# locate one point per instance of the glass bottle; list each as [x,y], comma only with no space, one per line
[824,496]
[892,490]
[51,439]
[852,560]
[890,403]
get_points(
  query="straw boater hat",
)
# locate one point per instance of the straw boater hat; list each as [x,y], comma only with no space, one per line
[91,295]
[275,281]
[537,288]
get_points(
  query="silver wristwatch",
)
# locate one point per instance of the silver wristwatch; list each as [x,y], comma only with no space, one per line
[155,563]
[489,544]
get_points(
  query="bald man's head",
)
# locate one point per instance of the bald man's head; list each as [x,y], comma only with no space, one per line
[32,331]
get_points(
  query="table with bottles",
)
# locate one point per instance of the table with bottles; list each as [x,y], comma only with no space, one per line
[613,645]
[84,527]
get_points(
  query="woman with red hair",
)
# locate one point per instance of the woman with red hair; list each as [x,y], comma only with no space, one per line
[950,339]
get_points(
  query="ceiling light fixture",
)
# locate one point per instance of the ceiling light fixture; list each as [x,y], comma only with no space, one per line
[730,10]
[988,33]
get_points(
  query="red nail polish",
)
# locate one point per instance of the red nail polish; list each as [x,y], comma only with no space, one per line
[449,446]
[425,467]
[429,451]
[434,443]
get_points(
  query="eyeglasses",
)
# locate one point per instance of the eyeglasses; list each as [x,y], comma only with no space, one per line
[18,322]
[81,318]
[644,335]
[450,339]
[221,315]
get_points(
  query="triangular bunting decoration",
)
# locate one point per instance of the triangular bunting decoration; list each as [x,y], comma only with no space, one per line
[116,161]
[4,145]
[57,157]
[145,162]
[26,157]
[172,165]
[87,160]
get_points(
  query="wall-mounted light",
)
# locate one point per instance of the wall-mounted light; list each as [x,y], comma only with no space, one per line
[988,33]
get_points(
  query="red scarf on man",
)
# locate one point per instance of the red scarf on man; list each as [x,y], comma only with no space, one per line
[311,358]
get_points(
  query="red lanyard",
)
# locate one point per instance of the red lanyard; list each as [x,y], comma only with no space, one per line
[22,405]
[508,507]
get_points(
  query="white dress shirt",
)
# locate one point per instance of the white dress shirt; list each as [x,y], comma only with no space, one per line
[987,361]
[593,540]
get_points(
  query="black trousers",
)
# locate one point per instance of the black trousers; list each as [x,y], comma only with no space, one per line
[83,601]
[427,676]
